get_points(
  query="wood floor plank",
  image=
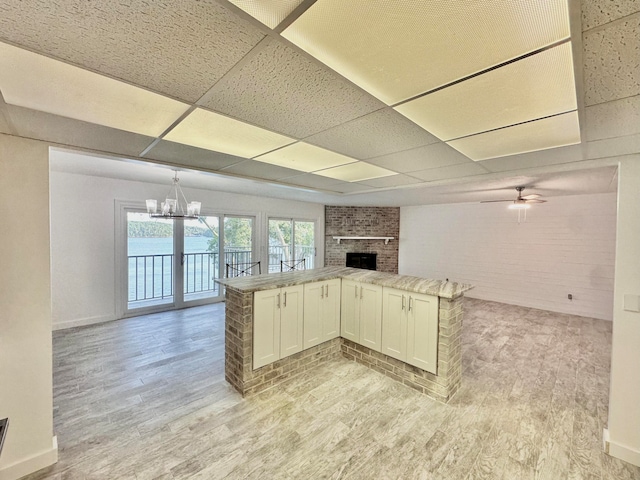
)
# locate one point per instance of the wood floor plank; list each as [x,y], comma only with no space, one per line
[145,398]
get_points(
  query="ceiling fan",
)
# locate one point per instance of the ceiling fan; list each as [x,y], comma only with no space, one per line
[520,202]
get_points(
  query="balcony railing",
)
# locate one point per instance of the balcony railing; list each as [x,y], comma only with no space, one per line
[279,253]
[151,276]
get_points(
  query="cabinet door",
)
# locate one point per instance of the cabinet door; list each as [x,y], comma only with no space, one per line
[371,316]
[266,327]
[350,309]
[422,334]
[313,302]
[291,320]
[331,310]
[394,323]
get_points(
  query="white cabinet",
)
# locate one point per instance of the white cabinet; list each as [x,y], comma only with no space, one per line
[277,324]
[410,328]
[361,313]
[321,312]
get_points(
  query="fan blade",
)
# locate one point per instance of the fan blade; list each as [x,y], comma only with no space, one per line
[531,197]
[492,201]
[535,201]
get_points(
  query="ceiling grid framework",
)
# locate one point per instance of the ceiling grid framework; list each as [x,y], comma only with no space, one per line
[243,102]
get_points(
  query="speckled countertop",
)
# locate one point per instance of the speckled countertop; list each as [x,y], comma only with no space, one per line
[256,283]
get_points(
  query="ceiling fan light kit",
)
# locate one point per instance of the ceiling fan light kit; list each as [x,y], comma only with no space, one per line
[521,203]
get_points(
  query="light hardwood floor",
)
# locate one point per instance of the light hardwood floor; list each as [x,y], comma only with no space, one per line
[145,398]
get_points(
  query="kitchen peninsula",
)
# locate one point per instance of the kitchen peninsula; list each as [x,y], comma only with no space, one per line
[282,324]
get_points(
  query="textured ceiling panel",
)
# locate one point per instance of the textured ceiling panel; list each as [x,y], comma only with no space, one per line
[281,90]
[251,168]
[178,48]
[356,172]
[372,135]
[613,119]
[443,173]
[534,87]
[346,187]
[209,130]
[392,181]
[269,12]
[304,158]
[421,45]
[313,181]
[430,156]
[34,81]
[192,156]
[527,137]
[612,61]
[67,131]
[596,12]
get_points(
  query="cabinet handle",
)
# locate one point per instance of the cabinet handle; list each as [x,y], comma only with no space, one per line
[403,299]
[360,293]
[356,291]
[321,291]
[285,299]
[278,300]
[410,300]
[327,287]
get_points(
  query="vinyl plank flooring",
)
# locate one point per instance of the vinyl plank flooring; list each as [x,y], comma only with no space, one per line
[145,398]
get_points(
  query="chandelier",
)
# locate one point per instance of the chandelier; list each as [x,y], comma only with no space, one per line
[175,206]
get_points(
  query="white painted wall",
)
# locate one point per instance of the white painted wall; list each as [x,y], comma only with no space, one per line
[566,246]
[83,242]
[624,395]
[25,308]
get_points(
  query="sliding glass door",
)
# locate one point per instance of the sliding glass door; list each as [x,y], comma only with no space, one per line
[175,264]
[291,244]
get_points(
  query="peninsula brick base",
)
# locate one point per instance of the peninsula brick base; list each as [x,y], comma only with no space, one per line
[239,354]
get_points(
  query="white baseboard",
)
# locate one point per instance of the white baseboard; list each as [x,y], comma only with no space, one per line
[620,451]
[81,322]
[31,464]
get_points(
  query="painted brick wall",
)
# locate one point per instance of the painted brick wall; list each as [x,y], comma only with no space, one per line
[362,222]
[566,246]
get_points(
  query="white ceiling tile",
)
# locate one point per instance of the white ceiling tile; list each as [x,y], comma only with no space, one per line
[313,181]
[613,119]
[347,187]
[430,156]
[541,134]
[378,133]
[177,48]
[209,130]
[355,172]
[391,181]
[612,61]
[540,158]
[282,90]
[304,157]
[187,155]
[269,12]
[68,131]
[421,45]
[443,173]
[251,168]
[40,83]
[534,87]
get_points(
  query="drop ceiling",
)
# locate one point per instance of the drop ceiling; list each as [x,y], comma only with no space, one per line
[360,99]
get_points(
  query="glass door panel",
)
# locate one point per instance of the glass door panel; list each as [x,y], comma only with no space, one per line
[149,261]
[304,243]
[238,246]
[291,241]
[279,243]
[201,258]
